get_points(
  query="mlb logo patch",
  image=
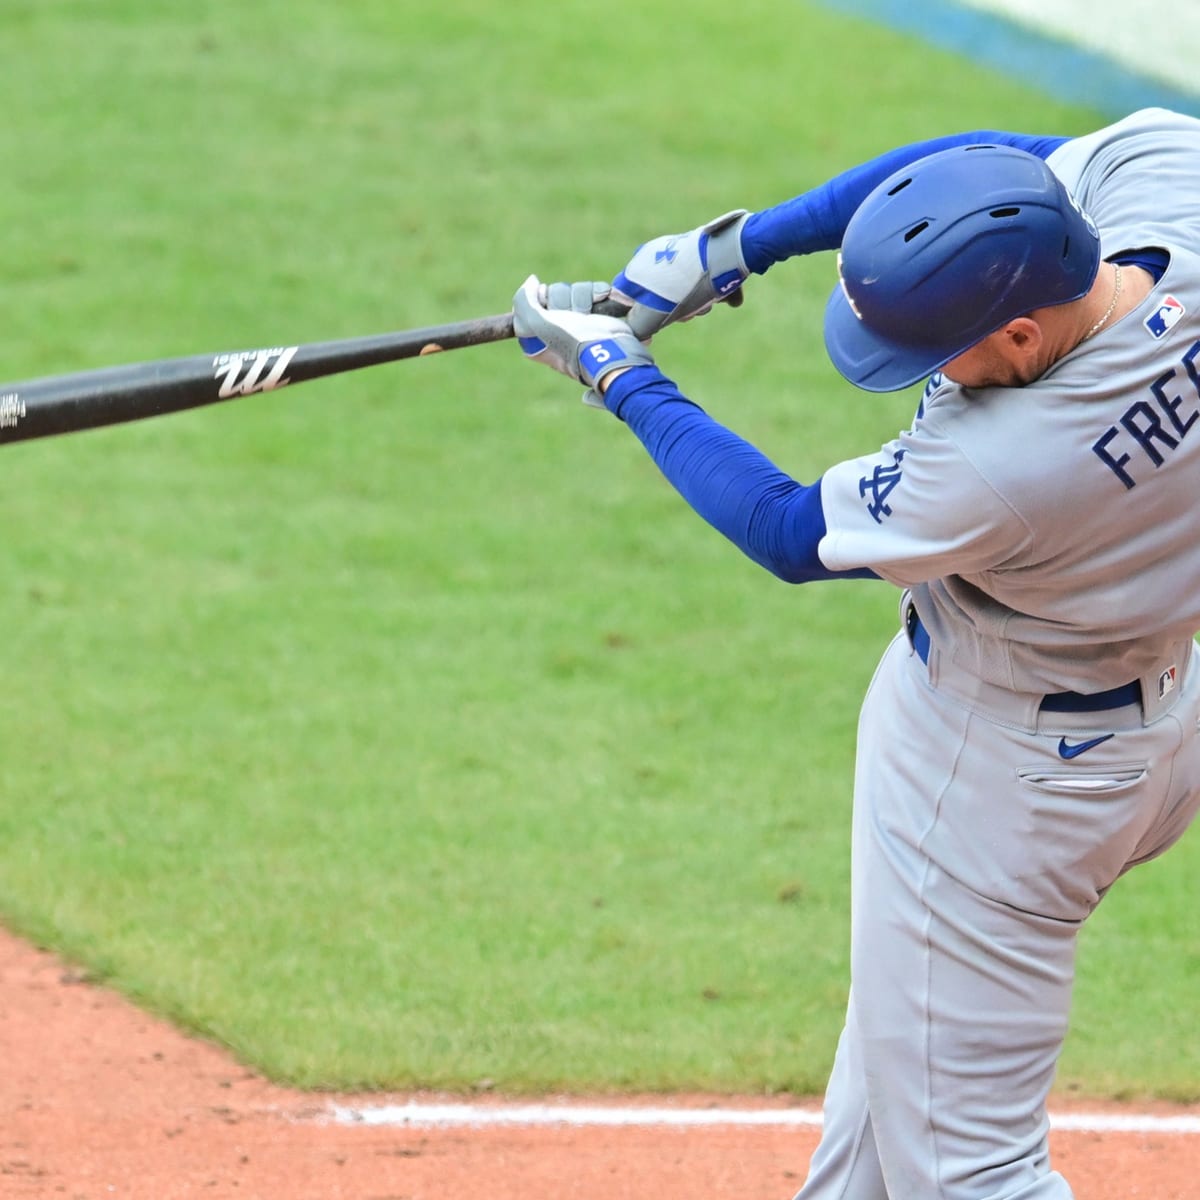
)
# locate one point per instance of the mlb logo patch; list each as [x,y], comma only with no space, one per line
[1166,682]
[1161,323]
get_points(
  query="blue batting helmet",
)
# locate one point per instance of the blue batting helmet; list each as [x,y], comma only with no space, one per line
[943,253]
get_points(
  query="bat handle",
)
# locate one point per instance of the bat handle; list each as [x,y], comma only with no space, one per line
[606,308]
[499,328]
[611,308]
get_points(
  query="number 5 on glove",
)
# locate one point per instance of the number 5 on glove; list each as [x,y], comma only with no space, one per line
[563,332]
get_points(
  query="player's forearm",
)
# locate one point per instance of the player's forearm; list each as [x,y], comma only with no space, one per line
[769,516]
[817,219]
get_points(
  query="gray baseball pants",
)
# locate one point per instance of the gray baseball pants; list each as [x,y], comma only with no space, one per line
[978,851]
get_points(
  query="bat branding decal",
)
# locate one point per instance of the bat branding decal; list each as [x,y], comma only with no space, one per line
[250,371]
[12,409]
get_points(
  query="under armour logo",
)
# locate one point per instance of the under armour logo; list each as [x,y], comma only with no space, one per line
[667,254]
[880,483]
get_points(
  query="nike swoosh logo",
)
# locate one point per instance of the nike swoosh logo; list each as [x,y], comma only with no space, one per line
[1066,750]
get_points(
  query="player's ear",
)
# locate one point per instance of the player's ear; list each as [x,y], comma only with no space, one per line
[1022,339]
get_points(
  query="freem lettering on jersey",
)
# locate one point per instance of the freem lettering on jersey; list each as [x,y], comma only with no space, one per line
[1149,430]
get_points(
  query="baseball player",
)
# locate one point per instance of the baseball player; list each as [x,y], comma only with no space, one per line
[1031,732]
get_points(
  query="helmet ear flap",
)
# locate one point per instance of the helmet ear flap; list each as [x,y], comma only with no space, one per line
[947,250]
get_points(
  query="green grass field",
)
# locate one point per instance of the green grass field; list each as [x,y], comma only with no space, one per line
[405,728]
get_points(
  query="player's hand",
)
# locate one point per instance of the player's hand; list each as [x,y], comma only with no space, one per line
[682,275]
[555,325]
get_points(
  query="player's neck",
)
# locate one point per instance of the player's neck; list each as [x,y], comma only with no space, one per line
[1117,290]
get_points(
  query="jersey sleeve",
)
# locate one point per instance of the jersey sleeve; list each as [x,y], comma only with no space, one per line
[916,510]
[817,219]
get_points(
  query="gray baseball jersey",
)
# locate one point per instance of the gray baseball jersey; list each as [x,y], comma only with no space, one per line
[1047,531]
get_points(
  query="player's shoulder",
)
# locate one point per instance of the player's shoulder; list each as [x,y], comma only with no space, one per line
[949,425]
[1139,134]
[941,398]
[979,428]
[1142,123]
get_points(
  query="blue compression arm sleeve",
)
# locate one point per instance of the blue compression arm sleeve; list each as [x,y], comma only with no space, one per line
[774,520]
[817,219]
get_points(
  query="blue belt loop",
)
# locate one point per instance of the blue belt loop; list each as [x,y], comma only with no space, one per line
[1070,702]
[918,635]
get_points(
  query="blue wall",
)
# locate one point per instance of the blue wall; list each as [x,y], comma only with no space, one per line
[1067,72]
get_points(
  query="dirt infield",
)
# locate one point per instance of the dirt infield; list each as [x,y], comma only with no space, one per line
[100,1101]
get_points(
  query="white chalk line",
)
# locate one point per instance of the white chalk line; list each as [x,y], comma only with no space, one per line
[482,1116]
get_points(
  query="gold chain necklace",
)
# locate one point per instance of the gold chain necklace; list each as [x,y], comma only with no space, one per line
[1099,325]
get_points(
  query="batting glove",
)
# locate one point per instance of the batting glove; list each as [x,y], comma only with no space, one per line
[681,276]
[555,325]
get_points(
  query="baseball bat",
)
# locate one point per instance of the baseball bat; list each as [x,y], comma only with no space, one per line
[37,408]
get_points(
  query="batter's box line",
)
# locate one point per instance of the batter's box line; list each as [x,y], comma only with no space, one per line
[479,1116]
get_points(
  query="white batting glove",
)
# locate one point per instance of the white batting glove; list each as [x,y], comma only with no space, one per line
[682,275]
[555,325]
